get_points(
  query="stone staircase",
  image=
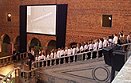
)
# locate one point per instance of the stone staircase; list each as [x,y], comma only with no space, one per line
[1,77]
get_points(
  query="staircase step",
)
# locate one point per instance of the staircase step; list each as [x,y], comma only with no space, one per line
[2,75]
[0,78]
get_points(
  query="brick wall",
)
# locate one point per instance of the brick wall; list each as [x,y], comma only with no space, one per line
[83,21]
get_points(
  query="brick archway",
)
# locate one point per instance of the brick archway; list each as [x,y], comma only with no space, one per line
[6,46]
[36,44]
[16,43]
[51,45]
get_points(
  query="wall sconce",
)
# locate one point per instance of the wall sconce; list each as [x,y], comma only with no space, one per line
[109,18]
[9,17]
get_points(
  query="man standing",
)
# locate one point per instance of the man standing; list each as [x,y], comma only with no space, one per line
[129,38]
[115,39]
[31,58]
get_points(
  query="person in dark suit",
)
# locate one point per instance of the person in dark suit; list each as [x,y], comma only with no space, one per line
[14,54]
[31,58]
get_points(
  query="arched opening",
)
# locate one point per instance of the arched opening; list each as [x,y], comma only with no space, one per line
[36,44]
[6,39]
[6,45]
[51,45]
[17,43]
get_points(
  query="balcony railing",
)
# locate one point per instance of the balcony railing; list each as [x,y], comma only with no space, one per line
[77,57]
[50,62]
[68,59]
[9,59]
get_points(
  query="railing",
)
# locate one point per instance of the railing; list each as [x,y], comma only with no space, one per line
[126,47]
[12,76]
[78,57]
[9,59]
[5,60]
[50,62]
[68,59]
[28,75]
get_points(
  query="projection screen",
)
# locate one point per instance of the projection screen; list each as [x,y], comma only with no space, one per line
[41,19]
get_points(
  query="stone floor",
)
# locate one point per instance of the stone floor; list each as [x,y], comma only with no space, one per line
[78,72]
